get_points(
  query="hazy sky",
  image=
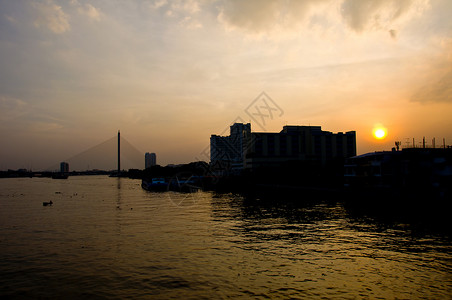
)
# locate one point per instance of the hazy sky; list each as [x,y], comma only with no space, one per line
[169,74]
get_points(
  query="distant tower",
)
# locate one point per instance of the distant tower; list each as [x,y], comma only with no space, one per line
[64,167]
[150,159]
[119,153]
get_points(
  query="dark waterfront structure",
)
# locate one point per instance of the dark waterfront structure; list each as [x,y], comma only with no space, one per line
[409,174]
[244,149]
[297,159]
[308,144]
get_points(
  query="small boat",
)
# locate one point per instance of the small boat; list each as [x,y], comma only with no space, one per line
[47,203]
[189,184]
[60,176]
[155,184]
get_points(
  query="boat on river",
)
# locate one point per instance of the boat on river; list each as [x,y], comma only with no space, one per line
[184,184]
[154,184]
[60,175]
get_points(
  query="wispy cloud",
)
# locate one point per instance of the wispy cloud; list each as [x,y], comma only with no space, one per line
[185,11]
[12,108]
[158,3]
[177,7]
[438,90]
[90,11]
[51,16]
[17,113]
[435,74]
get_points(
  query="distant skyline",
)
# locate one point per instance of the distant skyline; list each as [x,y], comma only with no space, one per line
[168,74]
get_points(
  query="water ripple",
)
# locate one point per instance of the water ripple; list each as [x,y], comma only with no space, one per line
[108,238]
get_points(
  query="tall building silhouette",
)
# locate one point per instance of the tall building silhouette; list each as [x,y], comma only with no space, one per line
[64,167]
[150,159]
[228,151]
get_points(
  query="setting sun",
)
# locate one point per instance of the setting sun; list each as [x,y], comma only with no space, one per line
[380,133]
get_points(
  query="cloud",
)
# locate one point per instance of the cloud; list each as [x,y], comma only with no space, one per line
[90,11]
[264,16]
[51,16]
[190,23]
[361,15]
[189,6]
[11,19]
[186,11]
[39,126]
[158,3]
[439,90]
[11,108]
[435,74]
[18,113]
[393,33]
[252,15]
[176,7]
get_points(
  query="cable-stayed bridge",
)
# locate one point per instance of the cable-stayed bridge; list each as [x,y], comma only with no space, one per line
[104,156]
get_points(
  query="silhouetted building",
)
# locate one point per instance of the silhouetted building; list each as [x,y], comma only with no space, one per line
[246,149]
[298,143]
[64,167]
[412,169]
[227,152]
[150,159]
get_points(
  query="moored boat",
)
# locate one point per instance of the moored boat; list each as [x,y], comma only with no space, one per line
[154,184]
[60,176]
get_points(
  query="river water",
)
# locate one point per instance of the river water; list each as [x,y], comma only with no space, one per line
[107,238]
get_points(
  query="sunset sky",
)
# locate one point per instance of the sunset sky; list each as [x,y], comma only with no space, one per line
[169,74]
